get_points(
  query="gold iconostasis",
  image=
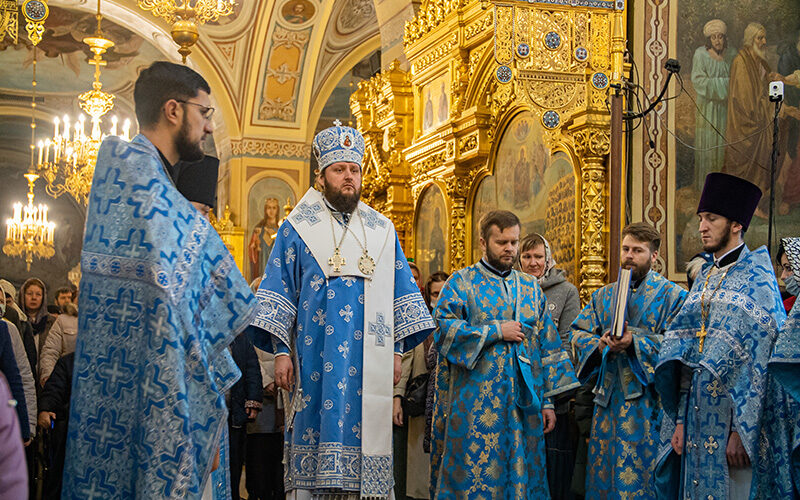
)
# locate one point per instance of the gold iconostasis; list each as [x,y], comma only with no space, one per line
[465,106]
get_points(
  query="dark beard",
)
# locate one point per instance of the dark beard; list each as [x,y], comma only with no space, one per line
[496,263]
[723,242]
[345,203]
[639,272]
[187,151]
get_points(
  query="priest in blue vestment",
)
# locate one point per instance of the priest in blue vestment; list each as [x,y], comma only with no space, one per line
[161,299]
[725,432]
[338,305]
[500,363]
[624,437]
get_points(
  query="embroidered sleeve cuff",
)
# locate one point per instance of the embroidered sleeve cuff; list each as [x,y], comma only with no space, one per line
[411,316]
[547,404]
[278,347]
[252,404]
[276,314]
[398,346]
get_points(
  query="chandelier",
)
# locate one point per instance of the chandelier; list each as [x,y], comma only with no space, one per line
[185,15]
[29,234]
[66,162]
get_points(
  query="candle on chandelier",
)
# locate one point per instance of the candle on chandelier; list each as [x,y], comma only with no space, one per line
[126,128]
[65,135]
[46,151]
[114,125]
[56,122]
[41,152]
[50,229]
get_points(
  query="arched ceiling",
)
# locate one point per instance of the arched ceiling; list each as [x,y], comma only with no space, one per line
[272,64]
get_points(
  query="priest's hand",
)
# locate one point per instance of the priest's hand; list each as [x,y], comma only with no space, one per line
[548,419]
[677,439]
[617,344]
[512,331]
[737,456]
[284,372]
[397,411]
[398,367]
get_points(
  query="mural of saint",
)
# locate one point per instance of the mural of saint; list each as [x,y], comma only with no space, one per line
[431,231]
[723,121]
[748,153]
[711,67]
[427,116]
[263,238]
[443,113]
[298,11]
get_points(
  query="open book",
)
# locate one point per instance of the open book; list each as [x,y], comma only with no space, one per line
[619,305]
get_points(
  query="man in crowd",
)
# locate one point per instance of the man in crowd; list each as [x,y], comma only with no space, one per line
[500,363]
[161,299]
[63,297]
[723,434]
[624,436]
[340,306]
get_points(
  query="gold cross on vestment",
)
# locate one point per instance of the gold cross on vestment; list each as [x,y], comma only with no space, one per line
[336,261]
[702,336]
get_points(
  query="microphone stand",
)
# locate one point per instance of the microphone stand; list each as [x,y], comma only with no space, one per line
[772,169]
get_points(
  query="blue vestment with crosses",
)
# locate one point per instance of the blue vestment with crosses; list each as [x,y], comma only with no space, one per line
[319,319]
[725,387]
[161,299]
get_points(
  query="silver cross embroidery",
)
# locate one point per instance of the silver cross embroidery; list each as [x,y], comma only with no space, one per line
[380,329]
[371,219]
[307,213]
[346,313]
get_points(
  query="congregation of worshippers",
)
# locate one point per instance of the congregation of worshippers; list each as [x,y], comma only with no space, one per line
[344,372]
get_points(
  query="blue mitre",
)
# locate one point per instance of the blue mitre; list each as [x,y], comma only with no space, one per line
[337,144]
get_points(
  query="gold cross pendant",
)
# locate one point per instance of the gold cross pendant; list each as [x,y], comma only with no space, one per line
[336,261]
[702,336]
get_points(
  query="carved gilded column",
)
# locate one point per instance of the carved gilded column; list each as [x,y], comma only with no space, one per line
[591,144]
[384,112]
[457,191]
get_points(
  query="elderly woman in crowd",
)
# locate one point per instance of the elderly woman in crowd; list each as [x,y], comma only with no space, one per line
[563,303]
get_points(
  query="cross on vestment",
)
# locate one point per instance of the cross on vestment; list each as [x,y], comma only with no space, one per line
[711,445]
[702,336]
[380,329]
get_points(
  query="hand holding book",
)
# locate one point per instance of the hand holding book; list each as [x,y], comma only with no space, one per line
[617,344]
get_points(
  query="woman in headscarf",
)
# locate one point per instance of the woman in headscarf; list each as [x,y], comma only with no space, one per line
[33,301]
[563,304]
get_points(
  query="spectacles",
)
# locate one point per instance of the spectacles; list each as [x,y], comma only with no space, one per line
[206,111]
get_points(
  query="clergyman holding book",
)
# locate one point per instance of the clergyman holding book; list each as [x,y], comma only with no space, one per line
[624,436]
